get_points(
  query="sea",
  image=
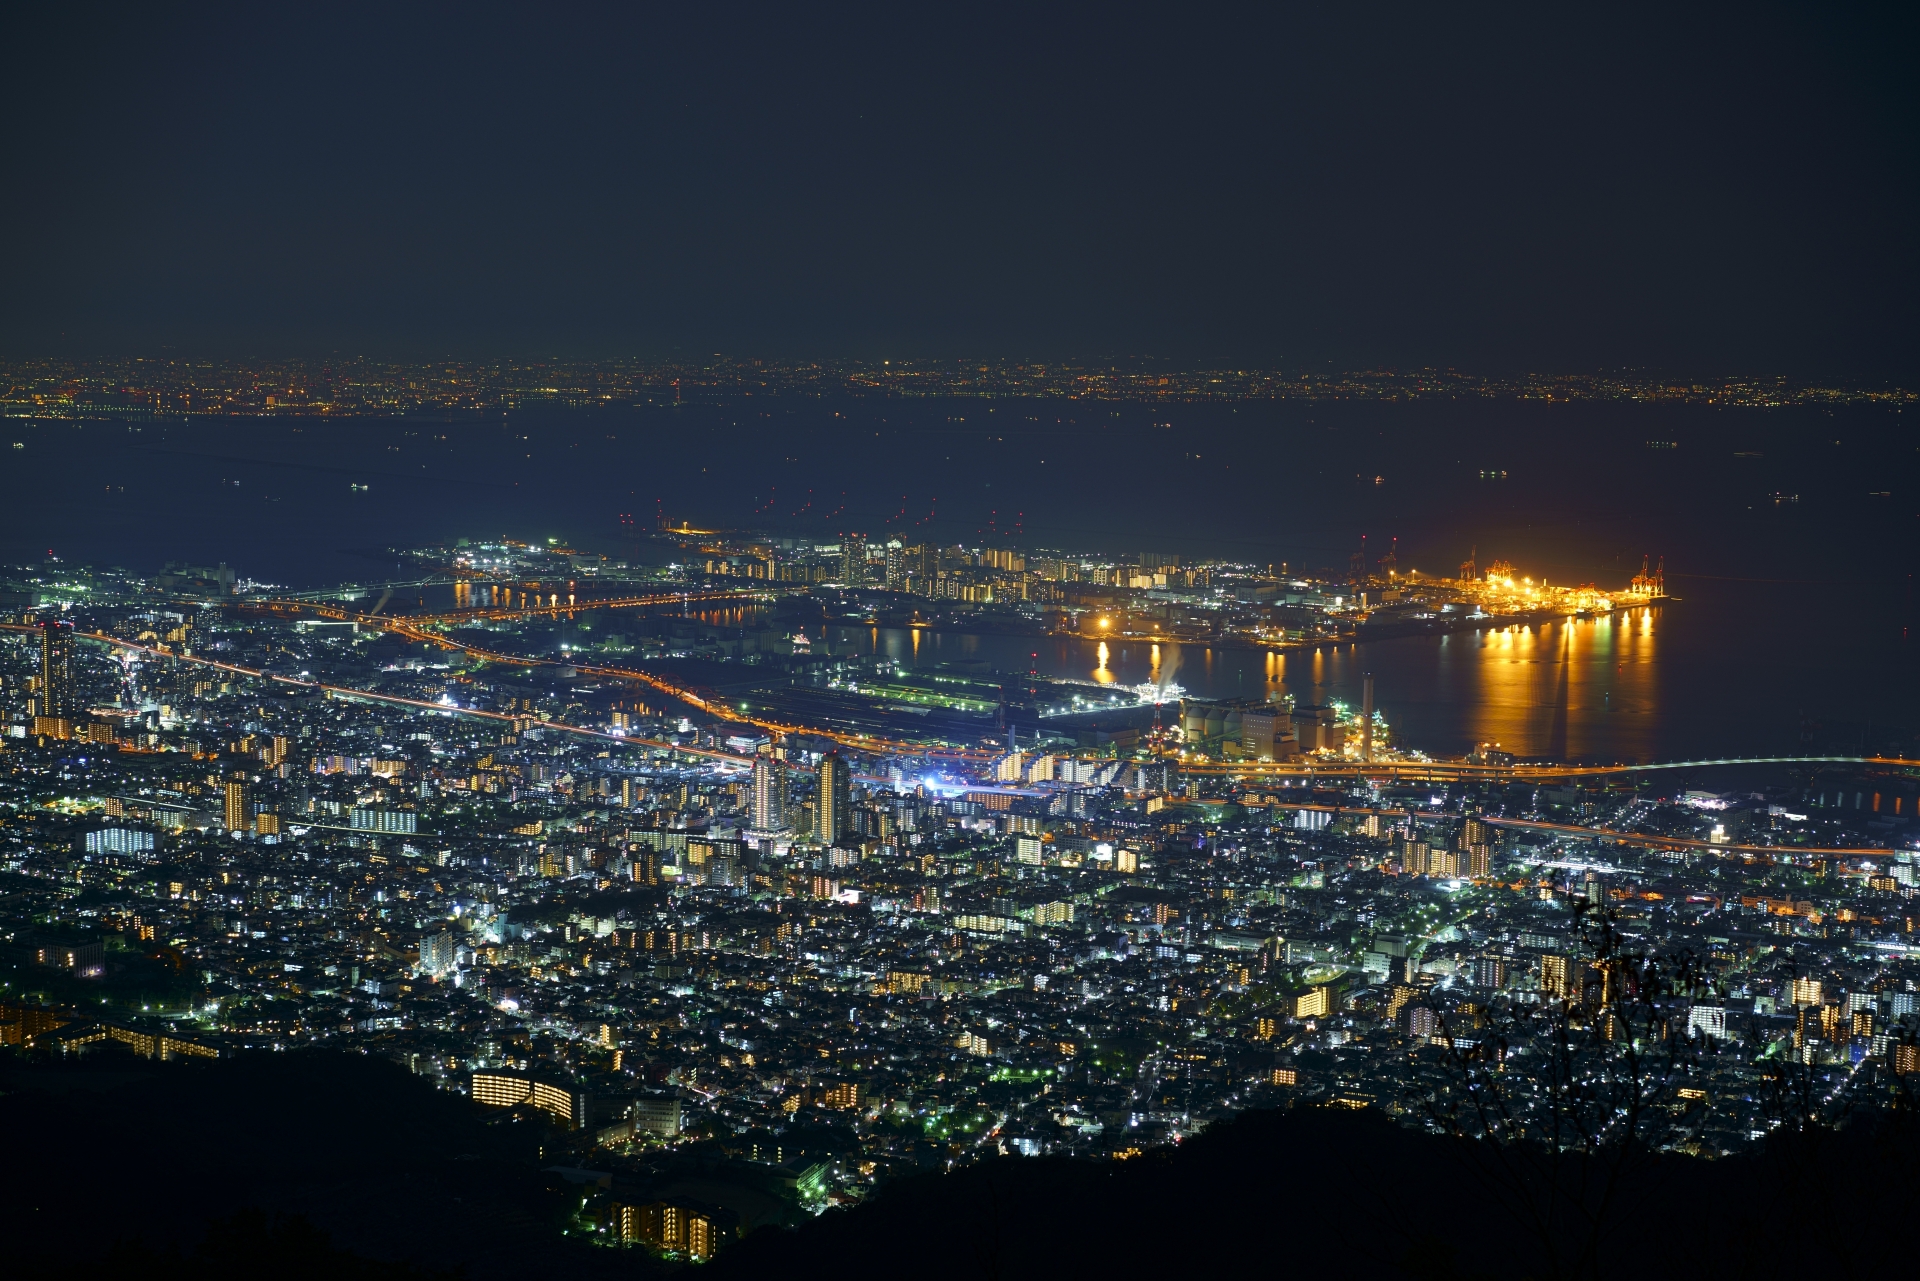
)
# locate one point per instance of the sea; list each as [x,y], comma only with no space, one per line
[1789,535]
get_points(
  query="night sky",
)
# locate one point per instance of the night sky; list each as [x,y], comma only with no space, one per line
[1720,190]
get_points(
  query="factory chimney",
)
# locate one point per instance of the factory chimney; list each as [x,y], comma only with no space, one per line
[1366,720]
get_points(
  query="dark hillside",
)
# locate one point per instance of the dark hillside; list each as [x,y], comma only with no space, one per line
[194,1169]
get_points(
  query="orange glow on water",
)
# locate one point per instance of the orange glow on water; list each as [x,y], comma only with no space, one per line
[1546,691]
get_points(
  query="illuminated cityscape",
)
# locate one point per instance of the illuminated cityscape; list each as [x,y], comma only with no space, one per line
[997,644]
[642,854]
[145,387]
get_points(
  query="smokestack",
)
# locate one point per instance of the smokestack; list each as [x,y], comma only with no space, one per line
[1366,720]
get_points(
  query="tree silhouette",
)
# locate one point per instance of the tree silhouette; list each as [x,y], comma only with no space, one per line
[1562,1107]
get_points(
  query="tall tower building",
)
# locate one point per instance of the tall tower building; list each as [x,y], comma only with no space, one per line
[1479,862]
[853,560]
[769,802]
[438,951]
[57,697]
[1558,977]
[1366,719]
[236,805]
[831,809]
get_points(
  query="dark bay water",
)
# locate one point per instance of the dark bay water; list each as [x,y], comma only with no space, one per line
[1682,681]
[1790,535]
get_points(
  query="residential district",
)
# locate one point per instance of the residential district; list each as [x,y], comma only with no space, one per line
[748,923]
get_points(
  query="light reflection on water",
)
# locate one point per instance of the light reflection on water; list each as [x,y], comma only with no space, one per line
[1575,689]
[1572,689]
[1675,682]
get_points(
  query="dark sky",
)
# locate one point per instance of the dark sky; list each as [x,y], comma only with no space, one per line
[1716,190]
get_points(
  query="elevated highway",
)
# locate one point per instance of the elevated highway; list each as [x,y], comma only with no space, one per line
[485,613]
[704,700]
[493,613]
[1454,771]
[1641,840]
[398,700]
[423,629]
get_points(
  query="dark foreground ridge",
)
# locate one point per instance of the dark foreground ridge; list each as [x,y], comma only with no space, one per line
[344,1166]
[161,1162]
[1339,1193]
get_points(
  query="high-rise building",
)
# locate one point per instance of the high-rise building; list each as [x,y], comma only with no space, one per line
[831,815]
[769,801]
[1558,977]
[693,1230]
[57,698]
[1479,862]
[896,566]
[235,812]
[504,1089]
[1709,1020]
[853,560]
[119,840]
[375,818]
[646,867]
[437,952]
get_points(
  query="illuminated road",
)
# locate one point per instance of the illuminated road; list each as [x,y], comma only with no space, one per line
[348,692]
[1449,771]
[411,628]
[573,606]
[1674,842]
[691,697]
[1640,839]
[281,604]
